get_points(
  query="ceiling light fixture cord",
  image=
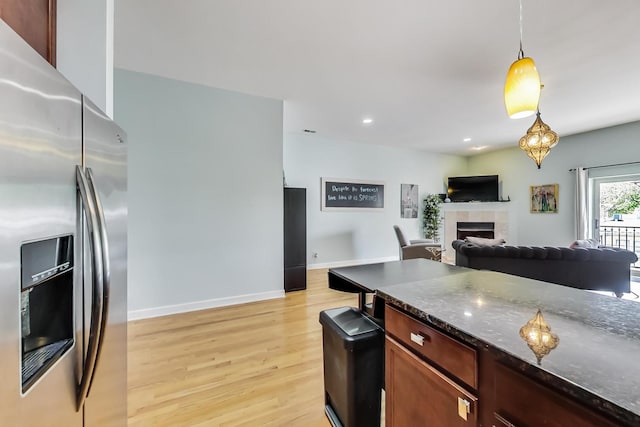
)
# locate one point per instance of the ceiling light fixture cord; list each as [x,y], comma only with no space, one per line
[522,85]
[521,52]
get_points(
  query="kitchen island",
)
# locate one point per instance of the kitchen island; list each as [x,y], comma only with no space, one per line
[472,344]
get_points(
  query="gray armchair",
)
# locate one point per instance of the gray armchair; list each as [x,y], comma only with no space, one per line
[421,248]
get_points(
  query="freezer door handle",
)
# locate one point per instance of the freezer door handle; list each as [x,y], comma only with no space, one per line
[106,269]
[95,247]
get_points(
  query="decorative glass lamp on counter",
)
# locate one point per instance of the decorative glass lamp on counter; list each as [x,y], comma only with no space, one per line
[538,336]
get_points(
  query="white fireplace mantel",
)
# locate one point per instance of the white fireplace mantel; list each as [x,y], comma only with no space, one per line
[496,212]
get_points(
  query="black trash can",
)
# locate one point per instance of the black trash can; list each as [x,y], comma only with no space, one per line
[353,355]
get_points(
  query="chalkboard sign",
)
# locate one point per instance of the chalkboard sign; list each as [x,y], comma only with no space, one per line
[345,194]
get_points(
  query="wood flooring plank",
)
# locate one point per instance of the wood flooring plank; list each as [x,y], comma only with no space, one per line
[256,364]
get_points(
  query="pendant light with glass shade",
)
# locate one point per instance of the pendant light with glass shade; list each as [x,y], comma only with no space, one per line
[522,86]
[539,140]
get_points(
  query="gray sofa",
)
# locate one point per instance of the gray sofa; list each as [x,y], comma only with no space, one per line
[603,268]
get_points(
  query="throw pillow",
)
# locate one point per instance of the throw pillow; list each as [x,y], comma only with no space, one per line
[586,243]
[480,241]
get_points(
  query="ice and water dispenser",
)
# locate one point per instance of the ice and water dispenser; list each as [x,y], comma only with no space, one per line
[46,305]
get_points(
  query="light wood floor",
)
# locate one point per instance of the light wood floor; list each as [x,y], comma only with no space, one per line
[257,364]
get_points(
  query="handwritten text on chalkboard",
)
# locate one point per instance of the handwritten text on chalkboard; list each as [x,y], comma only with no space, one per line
[347,194]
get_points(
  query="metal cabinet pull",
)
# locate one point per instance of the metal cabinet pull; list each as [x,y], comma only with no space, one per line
[417,338]
[464,408]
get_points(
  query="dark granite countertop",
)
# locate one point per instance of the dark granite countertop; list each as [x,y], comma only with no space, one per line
[369,277]
[597,359]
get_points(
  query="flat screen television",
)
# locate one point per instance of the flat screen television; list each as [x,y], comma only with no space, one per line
[482,188]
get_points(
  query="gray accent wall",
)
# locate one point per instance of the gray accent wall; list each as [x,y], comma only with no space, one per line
[341,238]
[205,192]
[85,48]
[617,144]
[356,236]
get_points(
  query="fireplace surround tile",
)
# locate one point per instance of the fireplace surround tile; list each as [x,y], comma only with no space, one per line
[455,214]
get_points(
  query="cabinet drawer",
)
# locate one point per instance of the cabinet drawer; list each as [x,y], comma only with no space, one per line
[418,394]
[522,402]
[451,355]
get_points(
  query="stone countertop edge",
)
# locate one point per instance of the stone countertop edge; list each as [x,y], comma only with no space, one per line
[572,389]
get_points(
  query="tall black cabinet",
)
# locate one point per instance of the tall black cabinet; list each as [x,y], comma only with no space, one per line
[295,239]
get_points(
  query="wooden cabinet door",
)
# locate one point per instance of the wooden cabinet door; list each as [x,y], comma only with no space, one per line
[522,402]
[34,21]
[417,394]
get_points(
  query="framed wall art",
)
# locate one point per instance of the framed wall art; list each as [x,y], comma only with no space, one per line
[408,201]
[544,198]
[352,195]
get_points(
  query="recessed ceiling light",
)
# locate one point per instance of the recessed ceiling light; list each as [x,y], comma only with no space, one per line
[367,121]
[479,147]
[466,140]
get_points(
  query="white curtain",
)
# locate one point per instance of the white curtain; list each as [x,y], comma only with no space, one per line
[582,203]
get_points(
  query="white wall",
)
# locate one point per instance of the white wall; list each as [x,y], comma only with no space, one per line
[618,144]
[205,194]
[85,48]
[342,238]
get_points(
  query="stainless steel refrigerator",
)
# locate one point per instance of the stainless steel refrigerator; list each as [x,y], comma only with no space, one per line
[63,250]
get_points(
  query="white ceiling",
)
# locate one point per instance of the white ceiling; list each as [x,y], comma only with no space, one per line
[429,72]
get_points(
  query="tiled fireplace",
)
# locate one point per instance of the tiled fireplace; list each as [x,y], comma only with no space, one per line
[462,220]
[465,229]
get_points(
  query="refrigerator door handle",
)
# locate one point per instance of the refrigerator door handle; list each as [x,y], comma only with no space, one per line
[106,269]
[95,245]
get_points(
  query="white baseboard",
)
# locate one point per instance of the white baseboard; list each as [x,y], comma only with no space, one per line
[147,313]
[348,263]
